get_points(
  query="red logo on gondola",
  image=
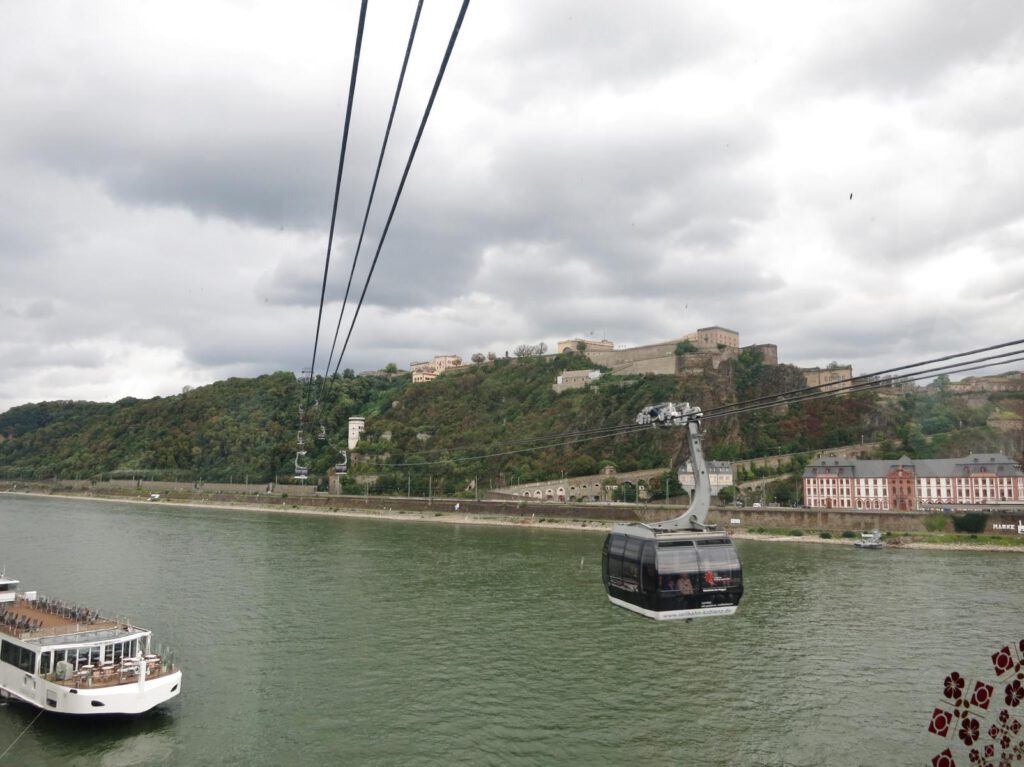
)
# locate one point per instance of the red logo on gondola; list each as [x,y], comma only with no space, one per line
[709,578]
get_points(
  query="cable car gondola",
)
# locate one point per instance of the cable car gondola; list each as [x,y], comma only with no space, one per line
[681,568]
[301,472]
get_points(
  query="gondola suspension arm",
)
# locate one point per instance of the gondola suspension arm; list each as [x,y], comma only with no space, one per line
[681,414]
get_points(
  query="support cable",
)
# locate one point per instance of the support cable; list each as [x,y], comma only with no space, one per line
[373,190]
[337,186]
[604,431]
[865,387]
[624,430]
[405,175]
[867,383]
[861,383]
[870,376]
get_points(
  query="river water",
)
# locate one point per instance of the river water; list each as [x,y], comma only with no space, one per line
[331,640]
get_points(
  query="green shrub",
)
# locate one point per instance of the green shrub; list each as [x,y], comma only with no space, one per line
[973,522]
[796,532]
[936,523]
[849,534]
[826,535]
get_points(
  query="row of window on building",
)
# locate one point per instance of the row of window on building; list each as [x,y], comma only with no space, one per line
[906,485]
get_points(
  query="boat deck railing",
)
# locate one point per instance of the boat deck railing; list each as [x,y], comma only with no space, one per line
[112,674]
[41,617]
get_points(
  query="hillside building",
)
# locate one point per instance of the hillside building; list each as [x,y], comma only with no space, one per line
[769,352]
[831,378]
[1005,420]
[719,474]
[1013,381]
[714,337]
[575,379]
[586,345]
[907,485]
[428,371]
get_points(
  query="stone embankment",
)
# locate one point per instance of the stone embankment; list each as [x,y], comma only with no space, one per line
[738,519]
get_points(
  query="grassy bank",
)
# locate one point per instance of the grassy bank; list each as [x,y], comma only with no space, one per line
[907,539]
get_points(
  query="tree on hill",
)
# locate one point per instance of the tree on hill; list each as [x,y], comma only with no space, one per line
[486,422]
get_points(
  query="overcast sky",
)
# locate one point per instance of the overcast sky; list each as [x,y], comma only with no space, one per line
[631,171]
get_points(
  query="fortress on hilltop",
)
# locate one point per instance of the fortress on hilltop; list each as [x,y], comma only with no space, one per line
[692,354]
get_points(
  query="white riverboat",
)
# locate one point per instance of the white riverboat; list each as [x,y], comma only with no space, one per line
[69,659]
[872,540]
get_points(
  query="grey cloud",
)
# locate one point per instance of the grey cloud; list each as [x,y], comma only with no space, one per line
[152,204]
[22,355]
[609,201]
[558,45]
[39,309]
[248,166]
[911,43]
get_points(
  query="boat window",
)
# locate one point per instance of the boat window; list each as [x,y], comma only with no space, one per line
[108,653]
[44,663]
[18,656]
[59,655]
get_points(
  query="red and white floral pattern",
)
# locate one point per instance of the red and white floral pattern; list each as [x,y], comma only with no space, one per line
[973,716]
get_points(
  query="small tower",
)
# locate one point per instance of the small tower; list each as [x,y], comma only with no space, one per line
[356,426]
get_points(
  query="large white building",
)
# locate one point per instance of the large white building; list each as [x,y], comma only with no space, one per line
[909,485]
[428,371]
[719,475]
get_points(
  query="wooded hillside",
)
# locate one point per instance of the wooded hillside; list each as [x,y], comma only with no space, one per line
[499,421]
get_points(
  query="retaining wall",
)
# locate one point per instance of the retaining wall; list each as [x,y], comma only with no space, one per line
[808,520]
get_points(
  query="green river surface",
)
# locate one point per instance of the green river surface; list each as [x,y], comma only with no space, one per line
[308,640]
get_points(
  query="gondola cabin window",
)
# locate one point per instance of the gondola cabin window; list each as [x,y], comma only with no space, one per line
[631,564]
[720,565]
[675,559]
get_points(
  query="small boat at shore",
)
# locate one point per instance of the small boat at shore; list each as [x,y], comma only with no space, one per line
[872,540]
[72,660]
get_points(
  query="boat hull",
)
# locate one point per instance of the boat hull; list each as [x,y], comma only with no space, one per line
[123,699]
